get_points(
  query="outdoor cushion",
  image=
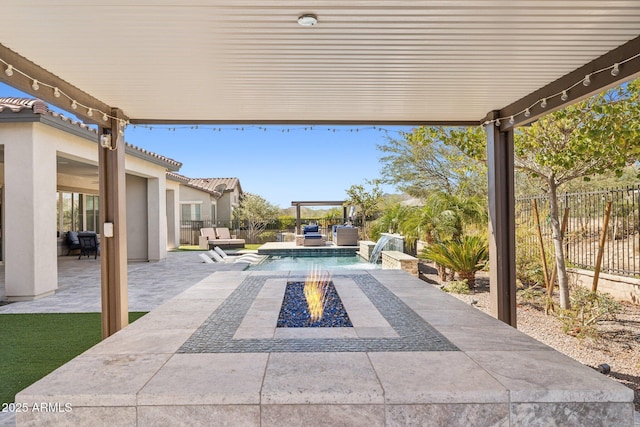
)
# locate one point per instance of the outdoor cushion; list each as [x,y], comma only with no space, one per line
[313,236]
[310,229]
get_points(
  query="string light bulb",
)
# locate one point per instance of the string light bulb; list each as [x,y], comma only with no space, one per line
[35,85]
[105,117]
[527,112]
[512,120]
[90,112]
[564,96]
[74,105]
[543,103]
[9,70]
[56,92]
[587,80]
[497,123]
[615,70]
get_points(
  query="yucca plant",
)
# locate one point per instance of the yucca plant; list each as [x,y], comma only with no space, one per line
[465,257]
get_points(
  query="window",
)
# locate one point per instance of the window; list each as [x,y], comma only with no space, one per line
[190,211]
[77,212]
[92,213]
[213,211]
[69,212]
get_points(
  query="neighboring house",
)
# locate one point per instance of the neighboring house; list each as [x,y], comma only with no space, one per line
[202,202]
[197,207]
[49,185]
[228,192]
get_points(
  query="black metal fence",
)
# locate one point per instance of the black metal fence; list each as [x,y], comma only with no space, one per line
[584,227]
[190,230]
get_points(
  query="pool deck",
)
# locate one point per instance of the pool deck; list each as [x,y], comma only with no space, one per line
[212,354]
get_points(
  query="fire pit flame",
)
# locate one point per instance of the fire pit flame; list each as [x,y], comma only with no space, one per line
[315,291]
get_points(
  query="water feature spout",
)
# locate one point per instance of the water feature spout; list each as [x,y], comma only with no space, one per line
[377,249]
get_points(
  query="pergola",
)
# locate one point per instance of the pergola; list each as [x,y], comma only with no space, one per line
[317,203]
[492,63]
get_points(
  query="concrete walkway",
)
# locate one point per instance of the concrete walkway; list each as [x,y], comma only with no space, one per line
[414,356]
[150,283]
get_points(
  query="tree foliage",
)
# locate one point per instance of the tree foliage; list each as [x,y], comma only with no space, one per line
[599,135]
[365,200]
[424,160]
[256,213]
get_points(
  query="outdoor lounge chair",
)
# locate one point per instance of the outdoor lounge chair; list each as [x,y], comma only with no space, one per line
[311,236]
[221,237]
[250,258]
[89,244]
[72,241]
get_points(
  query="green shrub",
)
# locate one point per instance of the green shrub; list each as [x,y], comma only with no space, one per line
[587,309]
[457,287]
[465,257]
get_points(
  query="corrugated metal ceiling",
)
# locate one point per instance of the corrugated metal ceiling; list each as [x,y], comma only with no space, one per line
[365,61]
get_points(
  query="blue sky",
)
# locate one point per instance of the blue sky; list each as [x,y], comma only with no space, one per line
[281,164]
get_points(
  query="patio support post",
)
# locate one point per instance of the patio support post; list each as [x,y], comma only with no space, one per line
[113,250]
[298,224]
[501,224]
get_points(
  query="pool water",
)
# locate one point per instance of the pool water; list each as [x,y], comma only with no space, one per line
[277,263]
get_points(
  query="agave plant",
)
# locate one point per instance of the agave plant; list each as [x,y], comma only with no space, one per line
[465,256]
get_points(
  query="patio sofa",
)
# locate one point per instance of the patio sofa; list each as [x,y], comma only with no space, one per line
[221,237]
[345,235]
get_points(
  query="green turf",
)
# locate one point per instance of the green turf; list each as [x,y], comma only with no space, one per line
[32,345]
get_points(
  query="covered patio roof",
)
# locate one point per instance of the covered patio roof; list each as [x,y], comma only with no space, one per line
[449,62]
[383,61]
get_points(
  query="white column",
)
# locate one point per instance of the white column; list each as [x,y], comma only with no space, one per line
[31,268]
[172,214]
[157,218]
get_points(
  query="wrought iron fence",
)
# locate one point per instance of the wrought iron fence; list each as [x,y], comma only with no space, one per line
[584,227]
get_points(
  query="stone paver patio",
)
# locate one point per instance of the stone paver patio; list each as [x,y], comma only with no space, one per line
[212,354]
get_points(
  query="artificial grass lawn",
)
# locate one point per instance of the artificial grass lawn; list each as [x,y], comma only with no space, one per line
[33,345]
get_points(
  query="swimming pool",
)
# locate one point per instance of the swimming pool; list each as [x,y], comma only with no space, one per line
[282,263]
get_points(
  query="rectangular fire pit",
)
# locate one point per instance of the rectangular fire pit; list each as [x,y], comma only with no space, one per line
[295,311]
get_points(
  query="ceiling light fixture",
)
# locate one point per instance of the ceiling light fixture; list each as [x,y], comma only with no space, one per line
[307,20]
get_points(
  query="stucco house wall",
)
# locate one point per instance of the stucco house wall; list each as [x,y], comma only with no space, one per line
[37,150]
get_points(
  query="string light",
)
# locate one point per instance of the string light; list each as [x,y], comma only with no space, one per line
[615,70]
[36,84]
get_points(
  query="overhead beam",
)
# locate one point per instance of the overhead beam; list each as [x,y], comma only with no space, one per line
[449,123]
[25,71]
[601,79]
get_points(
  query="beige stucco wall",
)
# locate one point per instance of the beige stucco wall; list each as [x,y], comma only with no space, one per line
[29,184]
[193,195]
[29,180]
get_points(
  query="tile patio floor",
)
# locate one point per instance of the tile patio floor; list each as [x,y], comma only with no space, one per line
[211,354]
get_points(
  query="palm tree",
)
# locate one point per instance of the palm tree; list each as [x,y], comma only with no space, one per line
[465,257]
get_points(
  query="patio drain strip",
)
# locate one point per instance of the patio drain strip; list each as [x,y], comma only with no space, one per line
[215,335]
